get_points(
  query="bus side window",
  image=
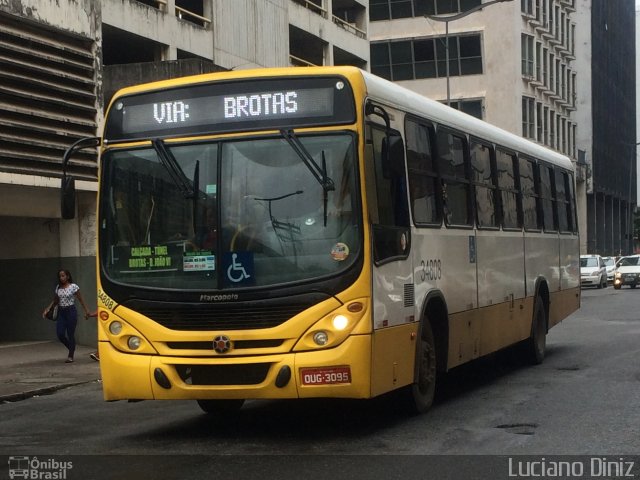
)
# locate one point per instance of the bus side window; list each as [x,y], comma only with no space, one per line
[391,194]
[453,174]
[561,202]
[530,198]
[423,180]
[572,203]
[546,194]
[482,174]
[508,189]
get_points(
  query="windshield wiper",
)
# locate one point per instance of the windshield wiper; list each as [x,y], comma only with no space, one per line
[319,173]
[173,168]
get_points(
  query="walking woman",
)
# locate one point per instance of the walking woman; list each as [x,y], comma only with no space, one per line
[66,293]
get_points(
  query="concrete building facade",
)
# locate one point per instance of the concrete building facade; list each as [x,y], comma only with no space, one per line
[553,62]
[535,56]
[60,62]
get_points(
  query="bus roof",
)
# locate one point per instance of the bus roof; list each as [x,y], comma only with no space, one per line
[382,91]
[407,100]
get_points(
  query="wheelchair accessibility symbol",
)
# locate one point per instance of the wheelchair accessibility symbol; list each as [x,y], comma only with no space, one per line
[239,268]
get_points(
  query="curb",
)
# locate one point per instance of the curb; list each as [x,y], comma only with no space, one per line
[16,397]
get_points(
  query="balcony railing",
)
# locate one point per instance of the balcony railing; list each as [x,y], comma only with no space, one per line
[299,62]
[313,7]
[350,27]
[185,14]
[181,13]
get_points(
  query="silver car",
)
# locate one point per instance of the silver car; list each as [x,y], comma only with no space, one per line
[593,272]
[610,264]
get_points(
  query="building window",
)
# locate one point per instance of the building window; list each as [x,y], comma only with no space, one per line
[392,9]
[528,124]
[545,125]
[527,55]
[470,107]
[526,6]
[426,58]
[545,67]
[539,62]
[539,121]
[552,64]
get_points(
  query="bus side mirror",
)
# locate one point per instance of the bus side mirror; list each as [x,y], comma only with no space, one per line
[68,197]
[392,156]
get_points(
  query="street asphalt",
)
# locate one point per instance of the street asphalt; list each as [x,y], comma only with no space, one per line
[28,369]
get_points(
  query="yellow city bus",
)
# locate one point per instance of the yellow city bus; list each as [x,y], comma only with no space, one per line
[318,232]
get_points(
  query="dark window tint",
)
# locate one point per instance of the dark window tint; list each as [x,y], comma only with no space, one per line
[422,177]
[485,191]
[529,196]
[455,186]
[507,185]
[562,201]
[549,222]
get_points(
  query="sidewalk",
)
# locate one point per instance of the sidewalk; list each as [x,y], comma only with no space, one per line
[37,368]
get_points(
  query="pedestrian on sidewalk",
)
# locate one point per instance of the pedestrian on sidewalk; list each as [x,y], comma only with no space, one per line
[66,293]
[95,355]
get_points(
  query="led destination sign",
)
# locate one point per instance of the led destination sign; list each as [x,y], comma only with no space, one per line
[237,106]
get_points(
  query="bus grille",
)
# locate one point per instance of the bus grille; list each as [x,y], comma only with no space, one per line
[220,317]
[248,374]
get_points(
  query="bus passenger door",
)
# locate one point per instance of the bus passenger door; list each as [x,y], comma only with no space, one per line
[392,272]
[389,216]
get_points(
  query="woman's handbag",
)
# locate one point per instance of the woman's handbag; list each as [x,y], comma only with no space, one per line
[52,313]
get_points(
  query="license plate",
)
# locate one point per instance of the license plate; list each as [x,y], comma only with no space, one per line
[325,375]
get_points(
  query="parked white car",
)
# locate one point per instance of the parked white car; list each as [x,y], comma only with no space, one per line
[610,264]
[593,272]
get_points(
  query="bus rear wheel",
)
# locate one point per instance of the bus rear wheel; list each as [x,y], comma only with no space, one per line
[422,392]
[536,344]
[221,407]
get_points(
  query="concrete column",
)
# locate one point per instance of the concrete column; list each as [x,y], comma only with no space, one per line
[69,238]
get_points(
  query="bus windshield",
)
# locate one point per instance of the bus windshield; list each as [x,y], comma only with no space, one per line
[230,214]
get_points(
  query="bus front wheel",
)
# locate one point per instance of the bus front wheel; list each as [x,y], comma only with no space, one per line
[536,345]
[221,407]
[422,391]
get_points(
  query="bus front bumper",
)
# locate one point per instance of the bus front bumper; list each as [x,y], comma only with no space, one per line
[342,372]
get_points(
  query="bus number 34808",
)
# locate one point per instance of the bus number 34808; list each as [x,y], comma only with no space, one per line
[431,269]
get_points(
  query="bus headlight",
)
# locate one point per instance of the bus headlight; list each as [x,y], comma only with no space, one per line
[618,275]
[332,329]
[134,342]
[125,337]
[340,322]
[115,327]
[321,338]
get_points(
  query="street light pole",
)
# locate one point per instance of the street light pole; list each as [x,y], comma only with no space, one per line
[450,18]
